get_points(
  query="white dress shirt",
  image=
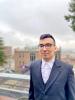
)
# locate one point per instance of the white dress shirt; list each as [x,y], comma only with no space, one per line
[46,69]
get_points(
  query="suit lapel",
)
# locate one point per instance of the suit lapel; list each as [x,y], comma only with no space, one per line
[40,79]
[53,75]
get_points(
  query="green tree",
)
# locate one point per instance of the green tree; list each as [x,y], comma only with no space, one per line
[71,17]
[2,56]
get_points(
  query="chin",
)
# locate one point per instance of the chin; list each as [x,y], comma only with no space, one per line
[45,57]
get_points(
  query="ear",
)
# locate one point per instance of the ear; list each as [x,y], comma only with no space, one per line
[56,49]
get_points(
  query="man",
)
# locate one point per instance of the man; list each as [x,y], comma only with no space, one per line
[50,79]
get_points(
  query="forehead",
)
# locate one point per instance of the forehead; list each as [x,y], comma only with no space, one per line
[46,40]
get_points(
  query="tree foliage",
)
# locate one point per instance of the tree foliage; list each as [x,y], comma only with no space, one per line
[2,56]
[71,17]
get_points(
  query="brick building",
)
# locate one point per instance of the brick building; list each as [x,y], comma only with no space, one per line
[21,57]
[68,58]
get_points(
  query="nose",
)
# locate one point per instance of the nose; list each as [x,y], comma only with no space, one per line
[44,47]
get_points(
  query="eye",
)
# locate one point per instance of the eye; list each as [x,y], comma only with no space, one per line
[48,45]
[41,45]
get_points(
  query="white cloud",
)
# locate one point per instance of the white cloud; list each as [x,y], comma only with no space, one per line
[4,27]
[1,1]
[72,42]
[25,39]
[19,36]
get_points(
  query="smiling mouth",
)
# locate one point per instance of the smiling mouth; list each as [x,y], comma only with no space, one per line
[45,53]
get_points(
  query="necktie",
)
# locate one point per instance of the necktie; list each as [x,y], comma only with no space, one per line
[45,72]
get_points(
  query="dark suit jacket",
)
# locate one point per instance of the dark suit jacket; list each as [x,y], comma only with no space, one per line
[60,85]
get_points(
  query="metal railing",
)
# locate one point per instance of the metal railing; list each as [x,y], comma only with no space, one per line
[6,85]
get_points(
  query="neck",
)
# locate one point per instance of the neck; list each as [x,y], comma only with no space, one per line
[47,60]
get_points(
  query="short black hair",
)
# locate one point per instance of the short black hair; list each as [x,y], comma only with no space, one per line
[43,36]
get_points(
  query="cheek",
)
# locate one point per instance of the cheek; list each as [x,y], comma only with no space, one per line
[40,50]
[53,49]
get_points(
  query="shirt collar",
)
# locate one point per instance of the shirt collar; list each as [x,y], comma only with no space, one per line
[50,63]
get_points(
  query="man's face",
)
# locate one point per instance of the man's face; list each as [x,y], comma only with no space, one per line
[47,48]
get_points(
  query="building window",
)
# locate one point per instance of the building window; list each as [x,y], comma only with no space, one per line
[32,56]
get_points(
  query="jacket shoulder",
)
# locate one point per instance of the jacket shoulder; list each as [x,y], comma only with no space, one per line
[35,63]
[63,64]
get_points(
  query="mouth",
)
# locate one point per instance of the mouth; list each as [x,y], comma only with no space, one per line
[45,53]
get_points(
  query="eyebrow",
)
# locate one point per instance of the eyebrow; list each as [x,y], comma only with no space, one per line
[45,43]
